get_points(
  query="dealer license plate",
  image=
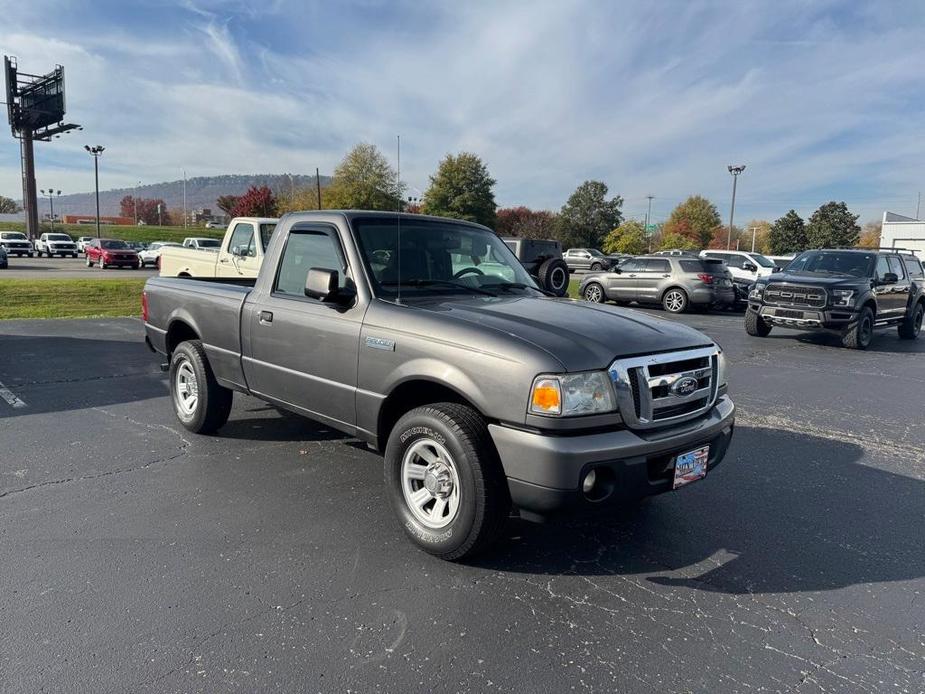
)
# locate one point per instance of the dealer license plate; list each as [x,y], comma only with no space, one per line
[691,466]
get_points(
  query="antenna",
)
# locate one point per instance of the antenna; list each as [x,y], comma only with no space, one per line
[398,141]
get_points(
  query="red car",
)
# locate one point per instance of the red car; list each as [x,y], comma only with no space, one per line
[111,252]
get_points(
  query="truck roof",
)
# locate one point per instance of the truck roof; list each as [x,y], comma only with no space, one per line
[353,214]
[259,220]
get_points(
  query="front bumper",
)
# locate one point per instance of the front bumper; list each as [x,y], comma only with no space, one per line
[828,318]
[544,472]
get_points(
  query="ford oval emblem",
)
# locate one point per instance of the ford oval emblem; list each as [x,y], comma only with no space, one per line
[684,386]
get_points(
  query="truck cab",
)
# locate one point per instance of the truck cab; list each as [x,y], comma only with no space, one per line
[239,254]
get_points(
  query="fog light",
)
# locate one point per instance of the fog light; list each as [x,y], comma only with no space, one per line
[588,483]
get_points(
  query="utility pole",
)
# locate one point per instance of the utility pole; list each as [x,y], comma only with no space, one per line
[318,186]
[135,202]
[754,230]
[159,222]
[50,193]
[96,152]
[185,216]
[735,170]
[648,217]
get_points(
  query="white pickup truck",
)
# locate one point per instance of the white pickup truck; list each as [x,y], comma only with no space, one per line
[239,254]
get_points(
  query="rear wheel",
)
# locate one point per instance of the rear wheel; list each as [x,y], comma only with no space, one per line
[910,328]
[755,325]
[860,335]
[675,300]
[594,293]
[445,481]
[200,403]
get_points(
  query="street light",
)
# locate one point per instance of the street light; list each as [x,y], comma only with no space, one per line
[735,170]
[135,202]
[50,194]
[96,152]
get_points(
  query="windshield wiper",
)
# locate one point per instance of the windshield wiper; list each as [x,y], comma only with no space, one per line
[515,285]
[438,283]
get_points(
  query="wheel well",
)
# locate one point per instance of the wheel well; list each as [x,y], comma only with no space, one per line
[872,305]
[184,274]
[408,395]
[179,331]
[668,289]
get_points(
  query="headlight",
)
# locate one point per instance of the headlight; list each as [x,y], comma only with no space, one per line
[756,292]
[572,394]
[721,368]
[842,297]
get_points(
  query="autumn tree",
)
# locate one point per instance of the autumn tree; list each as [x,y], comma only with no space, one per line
[629,237]
[9,206]
[787,235]
[722,239]
[588,216]
[256,202]
[696,218]
[364,180]
[832,226]
[145,208]
[461,188]
[674,241]
[870,235]
[526,223]
[226,203]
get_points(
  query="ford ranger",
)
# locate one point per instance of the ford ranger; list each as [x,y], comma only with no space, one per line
[428,340]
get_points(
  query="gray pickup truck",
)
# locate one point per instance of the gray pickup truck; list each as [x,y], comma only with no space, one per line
[427,339]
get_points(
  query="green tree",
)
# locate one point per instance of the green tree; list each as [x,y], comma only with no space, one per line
[588,216]
[461,188]
[672,240]
[629,237]
[364,180]
[9,206]
[695,218]
[787,235]
[832,225]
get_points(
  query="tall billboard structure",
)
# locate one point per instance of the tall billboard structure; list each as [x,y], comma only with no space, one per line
[35,108]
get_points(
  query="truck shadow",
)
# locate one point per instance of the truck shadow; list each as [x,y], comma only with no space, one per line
[785,513]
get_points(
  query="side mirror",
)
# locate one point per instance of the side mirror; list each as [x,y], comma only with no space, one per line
[238,251]
[616,269]
[889,278]
[750,267]
[322,284]
[777,269]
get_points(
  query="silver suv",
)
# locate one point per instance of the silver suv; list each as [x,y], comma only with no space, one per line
[676,282]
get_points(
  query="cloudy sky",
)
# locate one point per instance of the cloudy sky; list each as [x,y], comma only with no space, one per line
[821,100]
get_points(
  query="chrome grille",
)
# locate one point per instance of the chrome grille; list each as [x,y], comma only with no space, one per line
[647,392]
[794,295]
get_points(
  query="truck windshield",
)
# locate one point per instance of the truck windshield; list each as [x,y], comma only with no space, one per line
[437,258]
[761,260]
[833,263]
[12,236]
[59,237]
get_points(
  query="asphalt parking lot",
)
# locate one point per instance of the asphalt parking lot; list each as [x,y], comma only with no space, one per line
[65,268]
[138,557]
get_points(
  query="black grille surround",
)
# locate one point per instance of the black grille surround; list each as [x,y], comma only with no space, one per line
[649,389]
[797,295]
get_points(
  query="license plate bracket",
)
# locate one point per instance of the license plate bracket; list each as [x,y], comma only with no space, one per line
[690,466]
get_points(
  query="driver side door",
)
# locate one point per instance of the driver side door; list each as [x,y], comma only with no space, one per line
[621,286]
[244,263]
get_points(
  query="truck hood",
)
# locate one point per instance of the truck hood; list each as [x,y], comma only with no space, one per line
[580,335]
[817,280]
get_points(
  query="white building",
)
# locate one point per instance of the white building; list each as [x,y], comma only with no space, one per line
[903,232]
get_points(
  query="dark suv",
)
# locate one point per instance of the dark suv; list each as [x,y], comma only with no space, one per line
[851,292]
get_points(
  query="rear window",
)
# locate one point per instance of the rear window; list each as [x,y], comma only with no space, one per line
[711,265]
[913,267]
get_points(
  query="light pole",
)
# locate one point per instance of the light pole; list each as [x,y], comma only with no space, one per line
[735,170]
[51,193]
[648,217]
[135,203]
[185,216]
[96,152]
[754,231]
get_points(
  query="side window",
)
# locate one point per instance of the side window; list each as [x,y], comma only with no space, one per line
[242,237]
[304,250]
[883,267]
[736,261]
[914,268]
[896,267]
[632,265]
[654,265]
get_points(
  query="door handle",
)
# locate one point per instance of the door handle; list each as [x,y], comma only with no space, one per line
[632,275]
[266,317]
[666,275]
[223,260]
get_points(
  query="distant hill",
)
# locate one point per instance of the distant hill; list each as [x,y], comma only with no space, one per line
[200,192]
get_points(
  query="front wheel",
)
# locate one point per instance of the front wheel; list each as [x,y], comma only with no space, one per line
[594,293]
[445,481]
[911,326]
[859,336]
[200,403]
[675,301]
[595,267]
[89,262]
[102,264]
[755,325]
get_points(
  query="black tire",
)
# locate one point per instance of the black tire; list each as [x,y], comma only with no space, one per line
[213,402]
[74,255]
[755,325]
[675,300]
[860,335]
[483,501]
[89,262]
[596,267]
[594,292]
[553,276]
[910,328]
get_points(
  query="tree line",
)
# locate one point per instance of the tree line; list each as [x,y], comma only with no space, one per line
[462,188]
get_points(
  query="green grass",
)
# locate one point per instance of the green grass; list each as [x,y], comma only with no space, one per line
[573,287]
[144,234]
[74,298]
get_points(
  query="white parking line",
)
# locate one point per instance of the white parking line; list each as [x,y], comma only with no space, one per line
[8,395]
